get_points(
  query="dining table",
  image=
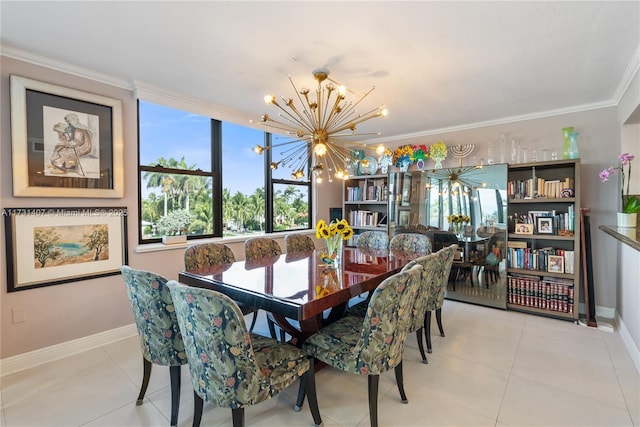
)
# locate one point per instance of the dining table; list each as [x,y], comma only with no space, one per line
[300,286]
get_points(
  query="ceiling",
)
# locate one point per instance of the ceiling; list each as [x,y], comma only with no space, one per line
[435,65]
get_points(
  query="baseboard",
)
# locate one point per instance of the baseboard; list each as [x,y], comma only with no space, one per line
[28,360]
[606,312]
[632,348]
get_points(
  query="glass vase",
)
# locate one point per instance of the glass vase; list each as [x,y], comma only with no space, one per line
[567,142]
[333,251]
[573,145]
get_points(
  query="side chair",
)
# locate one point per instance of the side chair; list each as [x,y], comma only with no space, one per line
[436,297]
[261,247]
[231,367]
[372,240]
[160,338]
[410,243]
[209,254]
[298,243]
[372,345]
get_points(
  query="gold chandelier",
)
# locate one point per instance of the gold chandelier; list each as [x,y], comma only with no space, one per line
[460,180]
[320,129]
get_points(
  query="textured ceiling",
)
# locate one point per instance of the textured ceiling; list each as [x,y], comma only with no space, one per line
[435,65]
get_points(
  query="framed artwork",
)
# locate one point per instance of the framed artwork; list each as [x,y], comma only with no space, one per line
[403,218]
[50,246]
[555,264]
[545,225]
[65,142]
[523,228]
[406,190]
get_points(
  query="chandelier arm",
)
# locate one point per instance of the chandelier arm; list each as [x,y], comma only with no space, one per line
[351,124]
[297,118]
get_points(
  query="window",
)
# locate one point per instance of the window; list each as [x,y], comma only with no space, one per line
[199,176]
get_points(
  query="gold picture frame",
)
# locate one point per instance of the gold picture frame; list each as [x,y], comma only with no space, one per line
[65,142]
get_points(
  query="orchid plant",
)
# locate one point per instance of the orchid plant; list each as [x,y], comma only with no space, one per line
[630,204]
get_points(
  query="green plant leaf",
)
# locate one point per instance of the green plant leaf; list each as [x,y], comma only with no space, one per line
[632,205]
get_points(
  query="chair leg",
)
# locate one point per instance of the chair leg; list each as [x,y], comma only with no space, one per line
[421,345]
[253,321]
[427,330]
[373,381]
[146,374]
[439,320]
[197,409]
[175,374]
[237,414]
[400,382]
[308,386]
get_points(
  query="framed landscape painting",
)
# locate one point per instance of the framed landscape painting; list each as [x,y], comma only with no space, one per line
[50,246]
[65,142]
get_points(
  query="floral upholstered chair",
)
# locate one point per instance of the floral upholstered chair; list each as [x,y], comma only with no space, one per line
[231,367]
[373,240]
[372,345]
[410,243]
[429,265]
[298,243]
[261,247]
[436,299]
[209,254]
[160,339]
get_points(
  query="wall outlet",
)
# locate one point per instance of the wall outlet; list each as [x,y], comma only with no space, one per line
[18,315]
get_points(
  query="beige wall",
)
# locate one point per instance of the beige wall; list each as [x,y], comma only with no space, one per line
[61,313]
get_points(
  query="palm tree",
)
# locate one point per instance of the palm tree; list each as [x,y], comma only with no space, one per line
[257,203]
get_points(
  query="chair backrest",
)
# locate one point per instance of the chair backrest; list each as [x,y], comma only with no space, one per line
[441,276]
[298,243]
[373,240]
[207,254]
[387,322]
[261,247]
[410,242]
[222,363]
[441,239]
[429,265]
[160,338]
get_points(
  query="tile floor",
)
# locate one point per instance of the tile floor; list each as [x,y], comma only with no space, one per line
[494,368]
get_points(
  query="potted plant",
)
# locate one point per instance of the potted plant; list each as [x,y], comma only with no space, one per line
[174,226]
[630,204]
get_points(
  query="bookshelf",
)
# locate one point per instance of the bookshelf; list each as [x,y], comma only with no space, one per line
[364,202]
[543,268]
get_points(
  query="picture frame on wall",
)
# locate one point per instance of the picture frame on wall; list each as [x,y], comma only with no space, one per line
[403,218]
[51,246]
[65,142]
[406,190]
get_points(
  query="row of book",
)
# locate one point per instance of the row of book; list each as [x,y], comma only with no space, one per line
[540,187]
[544,259]
[557,220]
[547,293]
[376,191]
[363,218]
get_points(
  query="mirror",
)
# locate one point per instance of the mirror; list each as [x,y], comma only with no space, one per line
[467,205]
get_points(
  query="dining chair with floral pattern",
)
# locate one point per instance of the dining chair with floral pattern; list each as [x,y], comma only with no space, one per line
[205,255]
[230,366]
[372,345]
[410,243]
[296,243]
[371,239]
[436,298]
[160,338]
[261,247]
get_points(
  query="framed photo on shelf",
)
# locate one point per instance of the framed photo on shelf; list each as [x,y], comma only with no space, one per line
[65,142]
[403,218]
[555,264]
[523,228]
[51,246]
[545,225]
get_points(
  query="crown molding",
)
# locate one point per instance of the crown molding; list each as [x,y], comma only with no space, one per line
[64,67]
[629,74]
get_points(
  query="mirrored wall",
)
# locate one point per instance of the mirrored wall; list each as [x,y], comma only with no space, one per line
[464,205]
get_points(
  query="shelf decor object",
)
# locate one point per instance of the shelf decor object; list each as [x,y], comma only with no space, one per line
[567,141]
[420,155]
[333,234]
[320,129]
[403,157]
[438,154]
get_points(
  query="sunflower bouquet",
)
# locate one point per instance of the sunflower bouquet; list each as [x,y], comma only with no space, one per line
[403,154]
[334,233]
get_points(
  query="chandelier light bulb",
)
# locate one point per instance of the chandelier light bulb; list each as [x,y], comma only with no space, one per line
[269,99]
[258,149]
[380,150]
[320,149]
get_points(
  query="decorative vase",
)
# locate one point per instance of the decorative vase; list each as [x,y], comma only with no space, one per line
[438,164]
[627,220]
[420,164]
[404,166]
[567,142]
[333,251]
[573,145]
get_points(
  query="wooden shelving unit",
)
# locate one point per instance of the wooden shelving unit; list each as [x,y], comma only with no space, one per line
[531,286]
[365,201]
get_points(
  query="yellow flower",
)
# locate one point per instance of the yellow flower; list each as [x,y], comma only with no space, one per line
[439,150]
